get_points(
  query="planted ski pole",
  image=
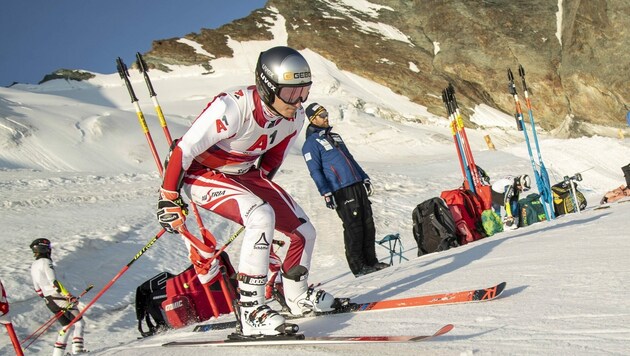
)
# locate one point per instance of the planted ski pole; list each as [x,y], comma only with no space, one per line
[472,167]
[519,114]
[144,69]
[113,280]
[224,286]
[458,144]
[6,320]
[546,193]
[124,75]
[44,327]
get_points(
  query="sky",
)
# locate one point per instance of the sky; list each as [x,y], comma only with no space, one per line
[75,168]
[38,37]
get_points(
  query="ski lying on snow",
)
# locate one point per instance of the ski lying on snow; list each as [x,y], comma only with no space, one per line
[300,339]
[473,295]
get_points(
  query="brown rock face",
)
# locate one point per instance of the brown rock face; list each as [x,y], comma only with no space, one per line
[575,52]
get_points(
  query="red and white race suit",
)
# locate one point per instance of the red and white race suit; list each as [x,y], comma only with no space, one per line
[218,155]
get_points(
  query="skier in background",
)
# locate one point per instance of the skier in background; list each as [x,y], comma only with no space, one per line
[56,296]
[345,188]
[505,193]
[225,163]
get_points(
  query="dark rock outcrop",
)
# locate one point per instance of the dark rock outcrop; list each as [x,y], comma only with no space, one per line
[576,57]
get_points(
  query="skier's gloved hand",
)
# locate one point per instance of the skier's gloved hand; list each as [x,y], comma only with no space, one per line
[330,201]
[171,210]
[368,187]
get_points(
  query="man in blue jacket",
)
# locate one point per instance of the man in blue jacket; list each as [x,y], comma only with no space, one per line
[345,188]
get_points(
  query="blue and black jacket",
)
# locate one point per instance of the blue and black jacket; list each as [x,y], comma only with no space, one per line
[328,160]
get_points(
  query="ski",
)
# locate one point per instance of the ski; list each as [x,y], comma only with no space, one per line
[473,295]
[300,339]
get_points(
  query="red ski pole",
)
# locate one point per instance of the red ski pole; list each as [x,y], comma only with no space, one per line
[42,329]
[14,339]
[209,239]
[113,280]
[4,319]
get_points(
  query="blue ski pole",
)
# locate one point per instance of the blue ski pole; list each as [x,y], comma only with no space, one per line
[546,183]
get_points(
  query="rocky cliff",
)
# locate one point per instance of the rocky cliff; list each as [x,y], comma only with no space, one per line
[574,51]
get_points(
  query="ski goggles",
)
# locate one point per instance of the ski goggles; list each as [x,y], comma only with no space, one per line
[294,94]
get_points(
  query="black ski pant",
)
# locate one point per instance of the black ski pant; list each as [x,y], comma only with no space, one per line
[355,210]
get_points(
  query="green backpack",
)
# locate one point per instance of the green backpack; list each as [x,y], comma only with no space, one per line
[531,210]
[491,222]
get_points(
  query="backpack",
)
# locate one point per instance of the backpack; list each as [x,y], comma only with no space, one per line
[563,198]
[626,173]
[491,222]
[186,300]
[149,298]
[174,301]
[466,209]
[433,226]
[531,210]
[616,194]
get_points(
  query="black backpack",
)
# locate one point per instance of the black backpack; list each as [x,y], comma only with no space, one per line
[149,298]
[433,226]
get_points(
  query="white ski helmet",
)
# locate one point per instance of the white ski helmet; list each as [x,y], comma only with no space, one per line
[525,182]
[283,72]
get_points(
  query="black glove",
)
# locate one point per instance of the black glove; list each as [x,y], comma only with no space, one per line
[171,214]
[330,201]
[368,187]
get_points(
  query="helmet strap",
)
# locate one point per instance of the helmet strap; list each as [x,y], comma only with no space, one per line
[273,110]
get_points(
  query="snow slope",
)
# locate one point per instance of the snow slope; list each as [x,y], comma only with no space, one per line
[75,167]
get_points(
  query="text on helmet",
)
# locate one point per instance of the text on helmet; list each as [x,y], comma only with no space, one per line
[293,75]
[267,82]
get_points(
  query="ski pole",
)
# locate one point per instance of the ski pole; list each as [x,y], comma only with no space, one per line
[124,75]
[42,329]
[519,114]
[186,233]
[543,170]
[574,197]
[218,252]
[144,69]
[463,155]
[113,280]
[6,320]
[208,263]
[450,90]
[454,132]
[19,351]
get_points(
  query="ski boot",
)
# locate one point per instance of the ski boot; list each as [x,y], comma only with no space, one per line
[302,299]
[256,320]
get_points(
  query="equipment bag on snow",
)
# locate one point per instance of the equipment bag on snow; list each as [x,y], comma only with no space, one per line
[563,198]
[149,298]
[186,301]
[626,174]
[466,209]
[531,210]
[433,226]
[491,222]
